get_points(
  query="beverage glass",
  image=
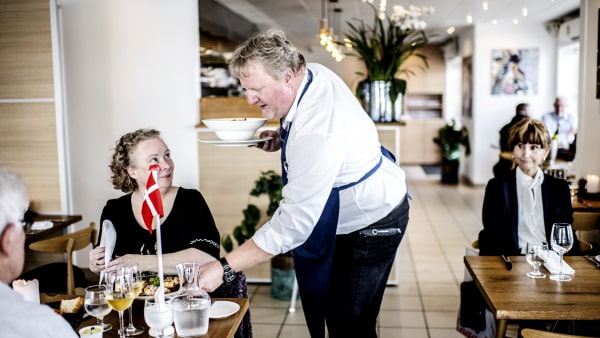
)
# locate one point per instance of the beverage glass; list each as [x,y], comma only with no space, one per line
[535,254]
[158,316]
[95,304]
[120,293]
[191,314]
[188,278]
[562,242]
[138,283]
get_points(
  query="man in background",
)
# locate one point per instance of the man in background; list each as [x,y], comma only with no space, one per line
[19,318]
[504,164]
[561,125]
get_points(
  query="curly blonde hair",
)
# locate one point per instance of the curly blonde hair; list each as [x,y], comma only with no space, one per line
[121,158]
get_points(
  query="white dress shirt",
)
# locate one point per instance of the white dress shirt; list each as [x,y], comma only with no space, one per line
[332,142]
[531,208]
[567,125]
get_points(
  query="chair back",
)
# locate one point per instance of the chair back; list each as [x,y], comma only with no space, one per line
[67,243]
[533,333]
[586,221]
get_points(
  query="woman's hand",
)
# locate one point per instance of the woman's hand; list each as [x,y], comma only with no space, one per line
[96,258]
[271,145]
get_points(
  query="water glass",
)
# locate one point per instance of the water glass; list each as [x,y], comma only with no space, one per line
[158,316]
[191,313]
[535,254]
[188,278]
[95,304]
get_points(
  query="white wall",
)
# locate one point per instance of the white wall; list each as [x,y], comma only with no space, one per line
[128,64]
[588,137]
[491,112]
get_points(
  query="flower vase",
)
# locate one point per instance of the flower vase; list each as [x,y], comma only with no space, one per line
[380,103]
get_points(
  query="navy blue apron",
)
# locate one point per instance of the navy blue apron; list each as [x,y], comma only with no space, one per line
[313,260]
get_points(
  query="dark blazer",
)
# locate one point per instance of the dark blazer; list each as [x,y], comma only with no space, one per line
[500,214]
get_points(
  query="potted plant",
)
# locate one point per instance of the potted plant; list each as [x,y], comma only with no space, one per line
[384,47]
[450,139]
[282,266]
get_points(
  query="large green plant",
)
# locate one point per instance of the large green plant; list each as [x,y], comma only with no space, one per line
[268,183]
[389,42]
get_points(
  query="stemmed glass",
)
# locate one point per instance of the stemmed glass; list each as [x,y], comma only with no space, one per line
[95,304]
[138,283]
[562,242]
[535,254]
[158,316]
[120,293]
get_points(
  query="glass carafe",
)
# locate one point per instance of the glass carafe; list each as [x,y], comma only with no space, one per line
[188,278]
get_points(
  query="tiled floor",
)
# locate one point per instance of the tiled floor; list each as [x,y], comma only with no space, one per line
[444,220]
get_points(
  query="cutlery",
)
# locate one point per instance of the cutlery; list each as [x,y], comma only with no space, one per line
[593,260]
[507,262]
[580,200]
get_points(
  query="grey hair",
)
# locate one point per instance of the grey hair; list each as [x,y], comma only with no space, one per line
[272,50]
[14,198]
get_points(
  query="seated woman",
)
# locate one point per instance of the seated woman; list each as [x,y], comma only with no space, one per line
[522,207]
[188,229]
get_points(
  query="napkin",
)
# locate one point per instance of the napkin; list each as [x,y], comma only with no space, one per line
[42,225]
[108,241]
[552,264]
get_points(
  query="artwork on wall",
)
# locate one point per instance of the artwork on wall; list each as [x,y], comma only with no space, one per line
[515,71]
[467,85]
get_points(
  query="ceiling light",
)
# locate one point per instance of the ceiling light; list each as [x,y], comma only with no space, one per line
[470,19]
[485,6]
[516,21]
[524,11]
[450,30]
[495,22]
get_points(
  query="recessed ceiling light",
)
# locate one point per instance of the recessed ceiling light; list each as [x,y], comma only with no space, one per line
[516,21]
[469,18]
[485,6]
[495,22]
[524,11]
[450,30]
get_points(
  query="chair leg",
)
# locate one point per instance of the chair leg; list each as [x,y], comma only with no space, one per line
[292,308]
[70,275]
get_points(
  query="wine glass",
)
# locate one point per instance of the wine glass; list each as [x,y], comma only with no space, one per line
[158,315]
[95,304]
[562,242]
[120,293]
[138,283]
[535,257]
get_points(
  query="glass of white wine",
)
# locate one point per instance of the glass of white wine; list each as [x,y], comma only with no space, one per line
[562,242]
[534,253]
[95,304]
[158,315]
[120,293]
[138,284]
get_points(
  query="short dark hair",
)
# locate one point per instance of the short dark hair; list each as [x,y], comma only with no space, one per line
[521,107]
[530,131]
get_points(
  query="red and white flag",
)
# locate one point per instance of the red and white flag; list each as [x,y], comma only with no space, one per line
[152,205]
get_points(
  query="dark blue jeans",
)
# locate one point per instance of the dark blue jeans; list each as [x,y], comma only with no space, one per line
[361,267]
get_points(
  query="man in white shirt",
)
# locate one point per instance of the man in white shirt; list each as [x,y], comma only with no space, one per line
[345,206]
[19,318]
[563,123]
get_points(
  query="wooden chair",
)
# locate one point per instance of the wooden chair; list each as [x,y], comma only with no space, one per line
[533,333]
[67,244]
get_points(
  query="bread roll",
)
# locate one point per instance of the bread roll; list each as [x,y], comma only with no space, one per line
[71,305]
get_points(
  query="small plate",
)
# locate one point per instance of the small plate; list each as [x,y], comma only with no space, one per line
[598,258]
[218,142]
[223,309]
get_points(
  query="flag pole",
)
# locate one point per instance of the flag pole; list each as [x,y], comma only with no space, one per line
[160,296]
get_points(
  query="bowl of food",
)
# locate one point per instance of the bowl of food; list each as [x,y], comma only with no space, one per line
[235,129]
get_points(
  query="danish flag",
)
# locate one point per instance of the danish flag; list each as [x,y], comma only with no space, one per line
[152,205]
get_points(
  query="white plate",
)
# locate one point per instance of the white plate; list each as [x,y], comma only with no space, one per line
[598,258]
[222,309]
[218,142]
[167,296]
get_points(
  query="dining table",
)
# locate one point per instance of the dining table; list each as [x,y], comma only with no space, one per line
[511,295]
[59,223]
[585,204]
[217,328]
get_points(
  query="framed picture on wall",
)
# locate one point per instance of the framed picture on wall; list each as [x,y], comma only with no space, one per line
[515,71]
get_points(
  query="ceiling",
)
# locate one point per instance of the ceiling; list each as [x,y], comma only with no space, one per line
[300,18]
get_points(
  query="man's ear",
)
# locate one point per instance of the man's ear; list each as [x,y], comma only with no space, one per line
[8,237]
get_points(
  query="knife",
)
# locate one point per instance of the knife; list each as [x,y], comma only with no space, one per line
[593,260]
[507,262]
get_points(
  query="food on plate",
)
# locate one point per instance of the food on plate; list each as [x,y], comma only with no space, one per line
[70,305]
[151,285]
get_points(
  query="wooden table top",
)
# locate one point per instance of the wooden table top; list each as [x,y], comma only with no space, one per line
[217,328]
[587,205]
[513,295]
[59,222]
